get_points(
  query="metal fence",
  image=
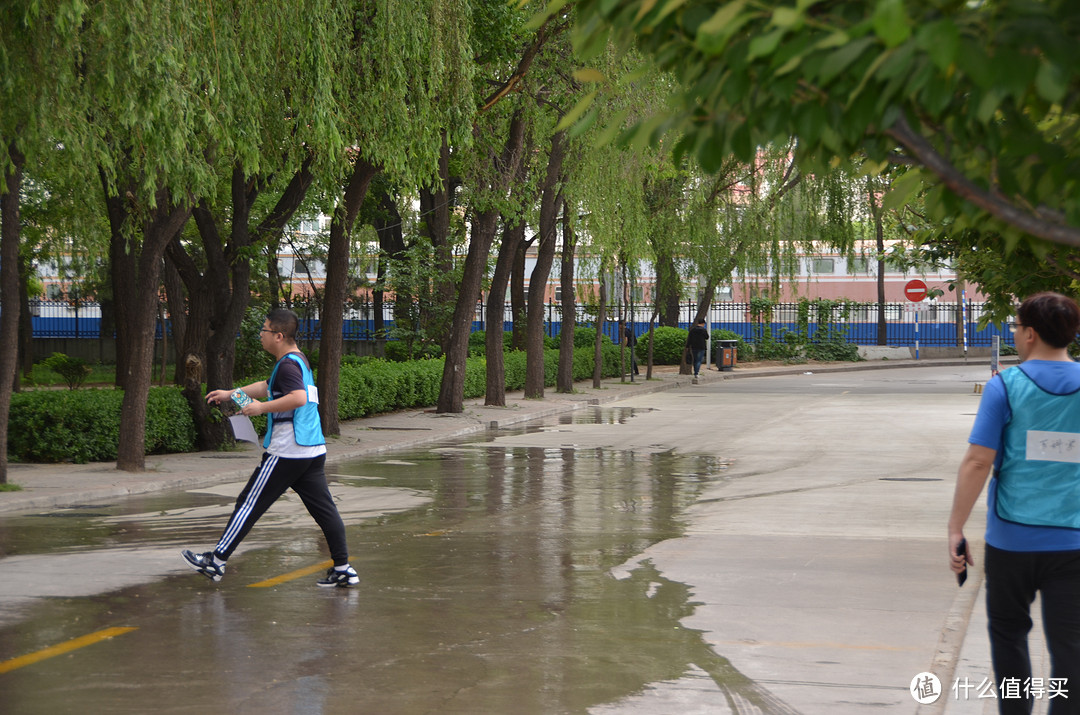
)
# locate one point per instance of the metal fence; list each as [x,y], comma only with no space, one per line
[931,324]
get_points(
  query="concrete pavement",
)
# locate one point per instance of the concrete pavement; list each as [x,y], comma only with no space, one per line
[960,647]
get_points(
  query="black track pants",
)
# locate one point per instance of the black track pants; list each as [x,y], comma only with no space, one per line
[268,482]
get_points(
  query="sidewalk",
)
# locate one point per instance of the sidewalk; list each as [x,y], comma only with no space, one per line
[57,486]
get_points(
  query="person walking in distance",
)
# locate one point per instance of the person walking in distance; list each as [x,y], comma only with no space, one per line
[698,340]
[1027,430]
[631,345]
[295,454]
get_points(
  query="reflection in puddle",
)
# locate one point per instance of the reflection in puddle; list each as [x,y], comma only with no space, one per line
[511,584]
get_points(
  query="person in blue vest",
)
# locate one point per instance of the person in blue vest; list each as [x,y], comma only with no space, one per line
[1027,431]
[295,455]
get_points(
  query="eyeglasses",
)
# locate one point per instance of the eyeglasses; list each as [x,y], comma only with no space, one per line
[1015,326]
[268,330]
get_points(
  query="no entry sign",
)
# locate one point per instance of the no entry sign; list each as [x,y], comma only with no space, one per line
[915,290]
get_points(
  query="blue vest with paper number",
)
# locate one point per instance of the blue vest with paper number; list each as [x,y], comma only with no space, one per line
[307,430]
[1038,482]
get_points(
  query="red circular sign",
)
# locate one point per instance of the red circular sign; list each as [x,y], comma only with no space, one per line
[915,290]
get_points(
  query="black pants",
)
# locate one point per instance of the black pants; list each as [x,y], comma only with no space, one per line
[268,482]
[1012,579]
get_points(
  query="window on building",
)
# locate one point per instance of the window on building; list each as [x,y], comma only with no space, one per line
[822,265]
[558,293]
[859,265]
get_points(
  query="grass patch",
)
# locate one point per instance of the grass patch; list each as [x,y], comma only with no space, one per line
[10,488]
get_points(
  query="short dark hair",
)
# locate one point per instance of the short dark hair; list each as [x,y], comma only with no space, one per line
[284,321]
[1055,317]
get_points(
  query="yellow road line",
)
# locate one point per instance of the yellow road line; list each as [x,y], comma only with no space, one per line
[67,647]
[293,575]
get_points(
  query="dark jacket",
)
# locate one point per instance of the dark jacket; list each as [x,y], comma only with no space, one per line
[699,337]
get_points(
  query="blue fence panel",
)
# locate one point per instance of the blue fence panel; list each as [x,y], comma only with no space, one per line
[59,320]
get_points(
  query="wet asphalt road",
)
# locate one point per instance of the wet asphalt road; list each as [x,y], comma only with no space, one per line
[526,571]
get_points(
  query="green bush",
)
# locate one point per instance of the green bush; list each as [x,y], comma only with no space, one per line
[478,344]
[585,337]
[74,370]
[382,386]
[84,426]
[668,345]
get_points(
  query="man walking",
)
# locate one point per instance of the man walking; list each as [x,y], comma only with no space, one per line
[295,455]
[1028,431]
[698,340]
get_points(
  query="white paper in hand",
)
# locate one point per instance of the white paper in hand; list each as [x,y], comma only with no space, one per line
[243,429]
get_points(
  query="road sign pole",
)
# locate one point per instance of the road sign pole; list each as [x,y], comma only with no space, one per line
[916,334]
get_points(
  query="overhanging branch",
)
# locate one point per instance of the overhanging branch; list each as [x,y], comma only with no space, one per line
[1036,225]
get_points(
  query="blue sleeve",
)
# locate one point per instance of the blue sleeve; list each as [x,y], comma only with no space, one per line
[993,414]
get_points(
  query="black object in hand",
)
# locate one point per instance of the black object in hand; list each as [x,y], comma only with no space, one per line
[961,550]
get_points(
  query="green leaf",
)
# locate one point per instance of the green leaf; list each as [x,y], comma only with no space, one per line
[941,40]
[714,33]
[668,8]
[903,190]
[989,103]
[891,22]
[842,58]
[765,44]
[612,130]
[1050,82]
[787,17]
[583,126]
[835,39]
[586,74]
[579,109]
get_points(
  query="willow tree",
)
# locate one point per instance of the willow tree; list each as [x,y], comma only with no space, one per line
[406,87]
[37,79]
[146,101]
[499,131]
[282,129]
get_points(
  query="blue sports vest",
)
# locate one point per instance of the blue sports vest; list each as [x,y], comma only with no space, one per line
[307,430]
[1038,482]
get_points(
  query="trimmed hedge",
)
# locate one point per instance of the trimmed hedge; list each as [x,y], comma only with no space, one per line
[668,345]
[84,425]
[383,386]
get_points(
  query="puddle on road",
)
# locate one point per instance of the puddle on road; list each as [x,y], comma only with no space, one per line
[496,595]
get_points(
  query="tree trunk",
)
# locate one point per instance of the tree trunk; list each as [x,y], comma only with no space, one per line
[879,233]
[435,206]
[495,392]
[337,277]
[667,289]
[218,298]
[598,352]
[136,273]
[452,388]
[175,298]
[9,293]
[26,323]
[391,245]
[518,309]
[564,382]
[550,201]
